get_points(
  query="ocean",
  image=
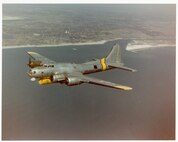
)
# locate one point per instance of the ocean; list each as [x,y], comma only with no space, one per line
[88,112]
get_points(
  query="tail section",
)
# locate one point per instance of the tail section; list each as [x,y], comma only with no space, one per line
[114,59]
[115,55]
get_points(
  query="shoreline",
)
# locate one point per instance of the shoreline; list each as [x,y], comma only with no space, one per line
[130,46]
[135,48]
[54,45]
[62,44]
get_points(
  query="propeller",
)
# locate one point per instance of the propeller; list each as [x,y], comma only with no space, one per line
[29,62]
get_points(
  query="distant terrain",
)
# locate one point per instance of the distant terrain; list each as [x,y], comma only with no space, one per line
[51,24]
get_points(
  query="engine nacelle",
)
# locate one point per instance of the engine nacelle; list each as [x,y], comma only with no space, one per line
[58,77]
[71,81]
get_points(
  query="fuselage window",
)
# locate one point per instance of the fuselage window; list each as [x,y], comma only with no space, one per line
[48,66]
[95,66]
[51,66]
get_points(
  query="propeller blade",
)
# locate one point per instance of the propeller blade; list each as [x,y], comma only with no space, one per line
[29,61]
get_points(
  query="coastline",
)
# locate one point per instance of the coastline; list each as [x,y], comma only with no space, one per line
[55,45]
[62,44]
[140,45]
[146,46]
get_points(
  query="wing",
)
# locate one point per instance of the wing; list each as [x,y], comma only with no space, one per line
[95,81]
[39,59]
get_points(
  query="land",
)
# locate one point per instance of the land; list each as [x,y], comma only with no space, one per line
[25,25]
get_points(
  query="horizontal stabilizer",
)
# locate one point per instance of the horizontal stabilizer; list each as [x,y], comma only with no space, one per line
[115,65]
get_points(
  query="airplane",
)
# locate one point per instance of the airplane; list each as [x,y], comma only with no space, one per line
[48,71]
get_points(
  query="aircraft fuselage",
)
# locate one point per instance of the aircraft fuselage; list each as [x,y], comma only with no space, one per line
[62,68]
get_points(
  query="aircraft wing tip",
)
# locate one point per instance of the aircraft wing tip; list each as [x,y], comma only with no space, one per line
[124,87]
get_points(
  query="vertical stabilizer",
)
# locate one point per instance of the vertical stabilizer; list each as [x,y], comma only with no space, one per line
[114,59]
[115,55]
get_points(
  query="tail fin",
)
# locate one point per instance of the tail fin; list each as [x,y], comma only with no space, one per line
[115,55]
[114,59]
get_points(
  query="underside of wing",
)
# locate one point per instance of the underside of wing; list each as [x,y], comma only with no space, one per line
[100,82]
[38,60]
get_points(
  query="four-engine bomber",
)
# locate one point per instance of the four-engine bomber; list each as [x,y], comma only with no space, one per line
[48,71]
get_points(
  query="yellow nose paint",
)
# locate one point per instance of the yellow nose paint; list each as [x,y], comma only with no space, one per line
[44,81]
[103,64]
